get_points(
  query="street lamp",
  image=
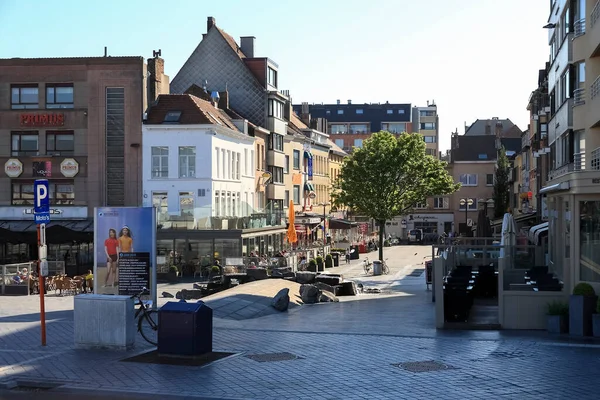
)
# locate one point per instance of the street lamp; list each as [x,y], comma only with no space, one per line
[466,203]
[324,229]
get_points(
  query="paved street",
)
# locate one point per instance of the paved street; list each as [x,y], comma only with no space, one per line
[355,349]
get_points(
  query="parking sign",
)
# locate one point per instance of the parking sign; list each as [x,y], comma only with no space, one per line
[41,199]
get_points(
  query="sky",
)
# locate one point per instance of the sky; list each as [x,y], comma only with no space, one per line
[474,58]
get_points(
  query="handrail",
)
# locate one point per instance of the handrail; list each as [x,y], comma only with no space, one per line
[595,14]
[578,97]
[595,87]
[579,27]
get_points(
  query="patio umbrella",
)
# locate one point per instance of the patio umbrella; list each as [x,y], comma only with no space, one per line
[484,227]
[291,232]
[509,234]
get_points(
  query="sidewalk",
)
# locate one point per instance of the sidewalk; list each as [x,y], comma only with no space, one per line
[355,349]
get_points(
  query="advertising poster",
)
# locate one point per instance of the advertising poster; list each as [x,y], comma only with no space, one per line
[125,245]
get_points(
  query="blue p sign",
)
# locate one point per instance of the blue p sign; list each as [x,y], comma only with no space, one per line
[41,206]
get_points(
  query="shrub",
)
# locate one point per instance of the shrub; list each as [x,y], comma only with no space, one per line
[584,289]
[173,269]
[338,250]
[329,257]
[319,260]
[312,262]
[215,269]
[558,308]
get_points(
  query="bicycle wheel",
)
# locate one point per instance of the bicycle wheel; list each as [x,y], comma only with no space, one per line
[367,269]
[148,327]
[385,269]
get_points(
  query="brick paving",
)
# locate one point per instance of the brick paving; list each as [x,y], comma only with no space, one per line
[347,350]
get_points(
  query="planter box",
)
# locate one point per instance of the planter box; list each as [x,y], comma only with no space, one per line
[581,309]
[596,325]
[558,324]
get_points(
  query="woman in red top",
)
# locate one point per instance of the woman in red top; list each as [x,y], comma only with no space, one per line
[111,248]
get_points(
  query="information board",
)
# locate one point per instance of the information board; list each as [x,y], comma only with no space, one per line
[428,272]
[134,273]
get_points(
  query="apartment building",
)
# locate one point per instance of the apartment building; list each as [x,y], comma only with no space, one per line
[253,86]
[573,199]
[78,123]
[425,120]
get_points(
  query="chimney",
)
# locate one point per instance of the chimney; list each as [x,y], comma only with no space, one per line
[498,129]
[247,45]
[224,100]
[349,101]
[338,102]
[210,23]
[214,97]
[488,128]
[156,77]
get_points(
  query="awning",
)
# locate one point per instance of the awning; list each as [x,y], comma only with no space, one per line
[536,231]
[307,154]
[341,224]
[555,188]
[308,187]
[57,232]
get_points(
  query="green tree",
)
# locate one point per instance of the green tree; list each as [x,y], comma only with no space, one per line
[388,176]
[501,194]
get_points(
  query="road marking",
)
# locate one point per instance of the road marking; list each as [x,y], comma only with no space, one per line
[27,361]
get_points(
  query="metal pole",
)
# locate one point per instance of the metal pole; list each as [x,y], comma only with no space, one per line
[41,284]
[466,217]
[323,231]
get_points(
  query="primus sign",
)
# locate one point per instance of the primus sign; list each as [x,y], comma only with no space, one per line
[69,167]
[42,119]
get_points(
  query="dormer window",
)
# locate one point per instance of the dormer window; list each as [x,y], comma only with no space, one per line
[390,111]
[359,110]
[271,77]
[172,116]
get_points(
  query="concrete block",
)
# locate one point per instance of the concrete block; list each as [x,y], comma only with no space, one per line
[104,321]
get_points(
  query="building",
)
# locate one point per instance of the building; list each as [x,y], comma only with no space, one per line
[573,199]
[425,120]
[252,84]
[350,124]
[78,123]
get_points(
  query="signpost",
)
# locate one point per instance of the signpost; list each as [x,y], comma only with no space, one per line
[41,216]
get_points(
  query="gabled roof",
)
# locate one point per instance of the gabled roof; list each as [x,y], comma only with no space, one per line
[481,147]
[478,127]
[335,148]
[231,41]
[193,111]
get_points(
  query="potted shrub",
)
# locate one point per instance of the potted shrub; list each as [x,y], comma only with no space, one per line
[596,320]
[214,271]
[172,274]
[312,265]
[320,263]
[328,261]
[582,304]
[558,314]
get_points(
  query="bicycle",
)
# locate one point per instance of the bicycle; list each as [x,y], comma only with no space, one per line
[384,267]
[146,317]
[367,266]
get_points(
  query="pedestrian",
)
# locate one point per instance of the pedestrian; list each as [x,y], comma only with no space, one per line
[348,256]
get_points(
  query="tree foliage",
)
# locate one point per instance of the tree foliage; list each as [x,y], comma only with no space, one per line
[388,176]
[501,194]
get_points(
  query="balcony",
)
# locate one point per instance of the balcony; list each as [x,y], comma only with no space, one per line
[579,28]
[277,125]
[275,191]
[579,113]
[275,158]
[199,218]
[593,36]
[578,97]
[594,102]
[579,162]
[560,171]
[525,141]
[595,160]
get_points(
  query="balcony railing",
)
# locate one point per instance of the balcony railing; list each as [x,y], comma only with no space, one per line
[595,88]
[525,141]
[595,161]
[579,27]
[560,171]
[595,15]
[579,162]
[578,97]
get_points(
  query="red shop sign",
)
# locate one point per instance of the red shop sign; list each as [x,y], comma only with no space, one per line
[42,119]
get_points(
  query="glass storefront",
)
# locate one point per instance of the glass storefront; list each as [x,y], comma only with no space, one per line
[555,266]
[589,241]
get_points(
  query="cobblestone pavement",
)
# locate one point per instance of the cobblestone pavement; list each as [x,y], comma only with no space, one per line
[369,348]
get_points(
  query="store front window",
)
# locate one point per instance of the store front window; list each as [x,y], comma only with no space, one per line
[554,265]
[589,238]
[227,248]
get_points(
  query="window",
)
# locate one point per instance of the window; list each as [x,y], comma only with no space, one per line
[187,162]
[160,161]
[482,156]
[489,179]
[236,165]
[286,167]
[160,201]
[186,204]
[277,173]
[339,143]
[440,202]
[275,109]
[296,194]
[468,179]
[421,206]
[359,110]
[336,129]
[25,144]
[427,113]
[60,143]
[356,129]
[24,97]
[390,111]
[217,212]
[286,201]
[358,142]
[394,127]
[296,159]
[59,95]
[172,116]
[471,202]
[271,76]
[429,139]
[544,130]
[201,192]
[428,125]
[431,152]
[62,193]
[275,142]
[400,111]
[340,112]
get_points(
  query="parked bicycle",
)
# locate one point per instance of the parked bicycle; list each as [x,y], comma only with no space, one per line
[384,267]
[147,319]
[367,265]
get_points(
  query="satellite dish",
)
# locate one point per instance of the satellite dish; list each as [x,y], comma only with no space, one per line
[312,195]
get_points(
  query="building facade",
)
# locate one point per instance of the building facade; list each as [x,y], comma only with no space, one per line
[78,123]
[425,120]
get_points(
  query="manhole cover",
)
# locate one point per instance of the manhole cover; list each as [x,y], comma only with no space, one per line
[423,366]
[417,272]
[272,357]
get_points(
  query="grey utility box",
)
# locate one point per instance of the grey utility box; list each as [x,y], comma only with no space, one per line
[104,321]
[185,329]
[377,267]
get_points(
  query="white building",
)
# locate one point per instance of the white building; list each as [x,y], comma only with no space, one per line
[198,164]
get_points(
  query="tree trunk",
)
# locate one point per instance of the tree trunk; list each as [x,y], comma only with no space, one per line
[381,237]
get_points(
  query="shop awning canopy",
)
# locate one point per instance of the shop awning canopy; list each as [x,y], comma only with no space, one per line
[56,231]
[307,154]
[536,231]
[335,223]
[309,187]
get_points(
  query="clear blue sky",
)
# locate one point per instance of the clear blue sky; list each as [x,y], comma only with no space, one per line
[475,58]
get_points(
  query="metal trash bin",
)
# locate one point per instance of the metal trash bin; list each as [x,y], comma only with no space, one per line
[336,258]
[185,329]
[377,267]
